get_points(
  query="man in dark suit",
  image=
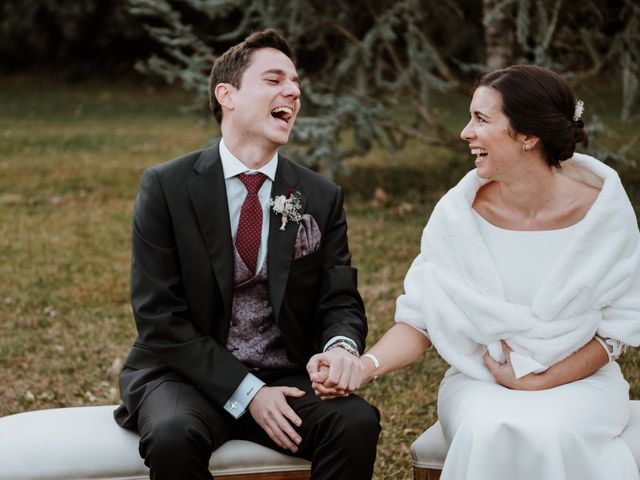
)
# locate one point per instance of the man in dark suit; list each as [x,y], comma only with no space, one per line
[240,274]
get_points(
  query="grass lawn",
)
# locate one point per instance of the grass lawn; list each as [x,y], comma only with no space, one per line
[70,162]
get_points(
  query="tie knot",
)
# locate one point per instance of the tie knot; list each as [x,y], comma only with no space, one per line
[252,182]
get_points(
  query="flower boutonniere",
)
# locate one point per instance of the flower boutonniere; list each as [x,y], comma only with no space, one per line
[289,206]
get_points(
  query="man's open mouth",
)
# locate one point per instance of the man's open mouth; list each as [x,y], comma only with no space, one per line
[282,113]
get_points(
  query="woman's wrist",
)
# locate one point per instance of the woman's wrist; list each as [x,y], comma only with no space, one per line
[371,364]
[541,381]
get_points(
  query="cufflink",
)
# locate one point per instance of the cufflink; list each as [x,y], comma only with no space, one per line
[234,405]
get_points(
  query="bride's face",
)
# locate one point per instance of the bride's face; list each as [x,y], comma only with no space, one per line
[492,142]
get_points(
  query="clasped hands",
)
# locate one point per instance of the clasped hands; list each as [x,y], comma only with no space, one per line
[337,373]
[334,373]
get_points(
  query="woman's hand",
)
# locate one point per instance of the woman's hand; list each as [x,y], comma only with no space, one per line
[506,376]
[586,361]
[390,358]
[322,390]
[580,364]
[335,373]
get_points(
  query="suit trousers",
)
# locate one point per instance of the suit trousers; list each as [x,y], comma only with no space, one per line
[179,429]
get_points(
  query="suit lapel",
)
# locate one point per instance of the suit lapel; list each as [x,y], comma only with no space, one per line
[281,243]
[208,195]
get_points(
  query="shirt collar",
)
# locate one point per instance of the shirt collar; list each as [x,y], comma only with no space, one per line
[233,167]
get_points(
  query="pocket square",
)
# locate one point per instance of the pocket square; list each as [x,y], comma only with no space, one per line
[308,237]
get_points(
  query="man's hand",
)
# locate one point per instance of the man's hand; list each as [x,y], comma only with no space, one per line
[325,393]
[270,410]
[335,373]
[506,376]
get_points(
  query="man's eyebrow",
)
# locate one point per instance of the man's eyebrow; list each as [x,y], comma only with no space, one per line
[282,73]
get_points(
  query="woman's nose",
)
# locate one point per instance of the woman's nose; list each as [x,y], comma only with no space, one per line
[467,132]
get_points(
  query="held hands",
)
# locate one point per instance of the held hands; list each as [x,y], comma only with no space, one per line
[322,391]
[505,375]
[335,373]
[270,410]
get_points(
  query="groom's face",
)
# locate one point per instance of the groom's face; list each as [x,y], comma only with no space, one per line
[268,100]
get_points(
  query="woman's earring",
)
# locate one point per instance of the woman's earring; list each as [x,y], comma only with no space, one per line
[525,147]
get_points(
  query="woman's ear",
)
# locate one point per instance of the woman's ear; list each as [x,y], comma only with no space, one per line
[223,96]
[529,142]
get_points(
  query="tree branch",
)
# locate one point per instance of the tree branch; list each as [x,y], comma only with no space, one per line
[551,29]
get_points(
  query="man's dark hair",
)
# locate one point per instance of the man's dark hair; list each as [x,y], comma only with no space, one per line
[539,102]
[231,65]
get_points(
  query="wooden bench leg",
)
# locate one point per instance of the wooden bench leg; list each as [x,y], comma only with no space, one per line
[300,475]
[426,473]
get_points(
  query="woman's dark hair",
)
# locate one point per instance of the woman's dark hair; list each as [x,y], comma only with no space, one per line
[539,102]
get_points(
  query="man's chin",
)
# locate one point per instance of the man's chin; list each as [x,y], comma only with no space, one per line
[281,138]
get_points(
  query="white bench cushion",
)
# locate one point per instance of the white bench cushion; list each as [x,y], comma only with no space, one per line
[85,442]
[430,448]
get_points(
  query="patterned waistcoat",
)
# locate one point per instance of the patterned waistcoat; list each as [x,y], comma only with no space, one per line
[254,338]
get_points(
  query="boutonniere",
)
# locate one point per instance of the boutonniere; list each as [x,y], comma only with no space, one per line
[289,206]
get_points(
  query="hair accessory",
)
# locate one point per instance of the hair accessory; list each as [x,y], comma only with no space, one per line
[578,111]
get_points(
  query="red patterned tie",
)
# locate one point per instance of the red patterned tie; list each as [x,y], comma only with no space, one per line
[250,224]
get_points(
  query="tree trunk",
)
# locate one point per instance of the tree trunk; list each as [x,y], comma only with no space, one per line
[498,34]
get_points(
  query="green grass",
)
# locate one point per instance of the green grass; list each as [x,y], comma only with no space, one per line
[70,161]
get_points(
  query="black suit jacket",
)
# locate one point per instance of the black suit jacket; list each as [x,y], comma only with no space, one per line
[182,278]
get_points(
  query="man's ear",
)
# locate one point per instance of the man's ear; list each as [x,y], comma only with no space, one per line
[223,95]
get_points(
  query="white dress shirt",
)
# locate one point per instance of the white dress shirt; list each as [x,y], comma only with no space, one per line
[237,404]
[237,192]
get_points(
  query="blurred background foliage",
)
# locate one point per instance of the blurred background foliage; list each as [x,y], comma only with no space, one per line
[372,69]
[72,40]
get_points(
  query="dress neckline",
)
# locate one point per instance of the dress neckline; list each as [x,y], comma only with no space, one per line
[554,230]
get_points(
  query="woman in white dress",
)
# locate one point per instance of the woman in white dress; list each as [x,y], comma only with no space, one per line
[528,285]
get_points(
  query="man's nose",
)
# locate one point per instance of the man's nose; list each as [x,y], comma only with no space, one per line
[292,89]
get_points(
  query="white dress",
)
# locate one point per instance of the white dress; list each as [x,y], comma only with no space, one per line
[570,432]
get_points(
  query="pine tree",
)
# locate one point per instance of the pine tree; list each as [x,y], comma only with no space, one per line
[371,68]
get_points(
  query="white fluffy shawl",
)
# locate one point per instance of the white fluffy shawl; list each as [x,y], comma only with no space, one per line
[454,291]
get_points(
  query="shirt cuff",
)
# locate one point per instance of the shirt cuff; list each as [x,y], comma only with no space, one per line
[340,338]
[240,399]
